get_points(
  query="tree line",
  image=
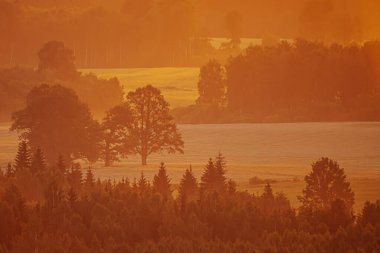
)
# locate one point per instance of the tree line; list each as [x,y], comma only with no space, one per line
[300,81]
[55,120]
[56,208]
[56,65]
[128,33]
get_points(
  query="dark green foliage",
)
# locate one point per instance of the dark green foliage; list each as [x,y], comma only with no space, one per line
[213,178]
[111,217]
[370,214]
[10,172]
[211,84]
[38,161]
[90,178]
[57,59]
[22,160]
[55,109]
[61,166]
[325,184]
[188,189]
[304,81]
[161,182]
[116,140]
[153,129]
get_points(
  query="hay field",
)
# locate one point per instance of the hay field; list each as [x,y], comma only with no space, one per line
[178,85]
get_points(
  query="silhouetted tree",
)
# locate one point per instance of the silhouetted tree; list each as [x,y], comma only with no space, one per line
[61,166]
[211,84]
[188,189]
[268,192]
[10,172]
[161,182]
[213,178]
[153,127]
[38,161]
[325,184]
[117,142]
[58,59]
[142,183]
[66,116]
[22,160]
[233,27]
[370,214]
[75,177]
[90,178]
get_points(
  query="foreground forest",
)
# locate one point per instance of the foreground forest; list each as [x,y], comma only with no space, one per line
[61,207]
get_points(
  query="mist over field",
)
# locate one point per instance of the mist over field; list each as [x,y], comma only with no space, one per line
[172,126]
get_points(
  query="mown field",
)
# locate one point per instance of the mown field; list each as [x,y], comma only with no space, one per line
[178,85]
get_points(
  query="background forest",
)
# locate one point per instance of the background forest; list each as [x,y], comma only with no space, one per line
[146,33]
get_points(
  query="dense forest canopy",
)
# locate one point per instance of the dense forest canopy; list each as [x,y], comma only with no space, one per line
[121,33]
[290,82]
[57,208]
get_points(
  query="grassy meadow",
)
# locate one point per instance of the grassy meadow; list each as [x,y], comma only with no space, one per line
[178,85]
[282,153]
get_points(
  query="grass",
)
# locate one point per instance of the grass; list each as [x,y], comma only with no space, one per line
[280,152]
[178,85]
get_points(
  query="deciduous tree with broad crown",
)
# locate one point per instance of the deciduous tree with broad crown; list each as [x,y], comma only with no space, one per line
[325,184]
[55,120]
[153,128]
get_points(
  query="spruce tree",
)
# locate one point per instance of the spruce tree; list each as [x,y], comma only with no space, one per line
[75,177]
[208,176]
[142,183]
[268,192]
[220,171]
[90,178]
[161,182]
[61,166]
[188,189]
[38,161]
[22,160]
[10,172]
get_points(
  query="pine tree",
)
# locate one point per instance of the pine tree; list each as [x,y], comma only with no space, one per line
[161,182]
[75,177]
[38,161]
[22,160]
[220,171]
[61,166]
[213,178]
[208,176]
[142,184]
[90,178]
[268,192]
[10,172]
[188,189]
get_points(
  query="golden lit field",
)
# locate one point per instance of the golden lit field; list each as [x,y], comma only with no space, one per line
[281,152]
[178,85]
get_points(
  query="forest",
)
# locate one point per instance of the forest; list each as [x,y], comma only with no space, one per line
[281,84]
[290,82]
[56,65]
[58,208]
[146,33]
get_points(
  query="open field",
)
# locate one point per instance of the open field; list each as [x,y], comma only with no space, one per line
[282,152]
[178,85]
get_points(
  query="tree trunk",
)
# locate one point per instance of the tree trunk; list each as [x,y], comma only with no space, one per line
[143,158]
